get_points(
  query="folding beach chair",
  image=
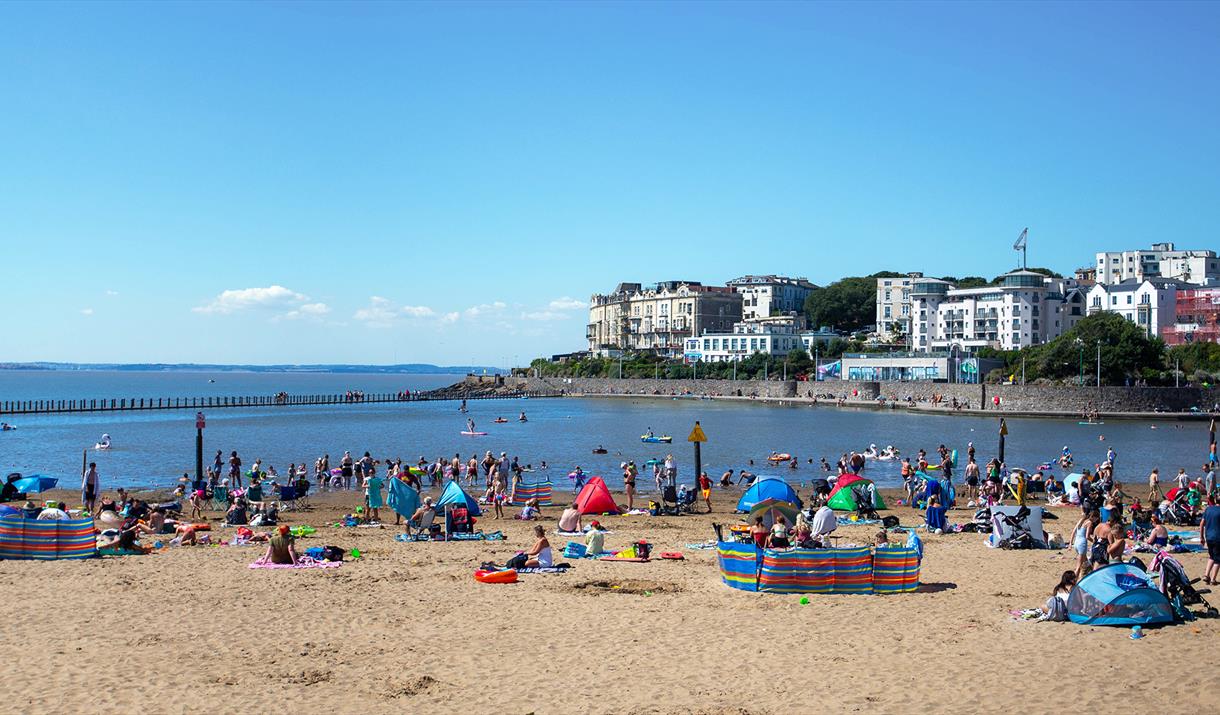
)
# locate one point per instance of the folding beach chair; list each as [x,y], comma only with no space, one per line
[288,497]
[425,526]
[220,499]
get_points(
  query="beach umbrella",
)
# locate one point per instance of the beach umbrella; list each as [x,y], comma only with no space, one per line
[768,508]
[1003,434]
[34,484]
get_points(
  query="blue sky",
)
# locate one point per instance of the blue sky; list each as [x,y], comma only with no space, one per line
[310,182]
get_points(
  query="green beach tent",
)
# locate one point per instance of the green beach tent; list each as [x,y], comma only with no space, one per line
[843,498]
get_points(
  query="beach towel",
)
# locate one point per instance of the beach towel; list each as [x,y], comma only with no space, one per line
[403,498]
[302,563]
[560,568]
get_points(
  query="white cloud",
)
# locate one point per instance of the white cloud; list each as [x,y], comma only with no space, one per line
[544,315]
[382,312]
[485,308]
[112,292]
[566,303]
[86,311]
[231,301]
[309,310]
[450,317]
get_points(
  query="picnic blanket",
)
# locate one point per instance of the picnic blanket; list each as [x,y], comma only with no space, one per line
[478,536]
[303,562]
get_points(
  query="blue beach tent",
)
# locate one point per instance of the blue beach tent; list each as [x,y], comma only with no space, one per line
[767,486]
[457,496]
[1118,595]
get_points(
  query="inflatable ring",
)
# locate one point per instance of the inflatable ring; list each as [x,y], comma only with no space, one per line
[506,576]
[779,457]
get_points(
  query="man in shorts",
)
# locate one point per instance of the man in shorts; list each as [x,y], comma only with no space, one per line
[89,487]
[1209,536]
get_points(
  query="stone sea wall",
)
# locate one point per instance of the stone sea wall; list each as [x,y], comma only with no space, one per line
[1013,398]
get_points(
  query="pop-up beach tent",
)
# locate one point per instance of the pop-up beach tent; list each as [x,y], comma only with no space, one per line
[594,498]
[1118,595]
[767,486]
[843,497]
[456,496]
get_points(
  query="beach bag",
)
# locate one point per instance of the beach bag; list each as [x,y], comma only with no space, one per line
[517,561]
[574,550]
[643,549]
[332,553]
[654,509]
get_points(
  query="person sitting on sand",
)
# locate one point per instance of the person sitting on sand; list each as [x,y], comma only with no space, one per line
[596,540]
[881,539]
[802,532]
[1159,535]
[237,514]
[54,511]
[280,548]
[759,533]
[569,520]
[778,538]
[540,553]
[530,512]
[129,535]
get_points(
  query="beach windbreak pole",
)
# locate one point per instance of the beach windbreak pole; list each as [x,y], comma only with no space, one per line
[1003,434]
[1211,442]
[697,437]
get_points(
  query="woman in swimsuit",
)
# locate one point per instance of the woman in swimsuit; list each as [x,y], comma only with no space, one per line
[1081,534]
[540,553]
[629,485]
[1159,536]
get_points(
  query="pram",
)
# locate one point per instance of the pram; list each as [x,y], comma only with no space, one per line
[1179,512]
[865,508]
[1021,536]
[1178,587]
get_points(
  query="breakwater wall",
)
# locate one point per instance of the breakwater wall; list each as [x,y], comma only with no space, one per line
[1040,399]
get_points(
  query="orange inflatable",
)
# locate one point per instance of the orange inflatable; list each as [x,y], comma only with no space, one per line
[779,457]
[506,576]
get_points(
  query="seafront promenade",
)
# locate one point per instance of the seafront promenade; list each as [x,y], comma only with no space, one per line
[1115,402]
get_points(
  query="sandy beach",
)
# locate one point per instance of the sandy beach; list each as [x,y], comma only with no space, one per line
[407,629]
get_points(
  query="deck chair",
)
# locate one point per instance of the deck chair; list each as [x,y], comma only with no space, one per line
[426,522]
[220,499]
[669,500]
[288,497]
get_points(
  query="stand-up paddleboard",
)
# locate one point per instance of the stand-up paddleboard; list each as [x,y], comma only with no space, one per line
[474,434]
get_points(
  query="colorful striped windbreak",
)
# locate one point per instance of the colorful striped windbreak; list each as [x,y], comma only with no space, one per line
[537,490]
[895,570]
[46,540]
[854,570]
[739,564]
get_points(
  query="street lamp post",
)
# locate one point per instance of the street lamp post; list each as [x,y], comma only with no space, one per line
[1080,344]
[1099,365]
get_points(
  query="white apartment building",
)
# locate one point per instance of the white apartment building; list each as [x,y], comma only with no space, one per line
[772,336]
[1161,261]
[1150,303]
[1026,308]
[658,318]
[763,296]
[894,305]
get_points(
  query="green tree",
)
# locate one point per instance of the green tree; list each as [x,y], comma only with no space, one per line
[1125,351]
[846,304]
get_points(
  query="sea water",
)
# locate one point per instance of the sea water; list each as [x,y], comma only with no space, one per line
[155,448]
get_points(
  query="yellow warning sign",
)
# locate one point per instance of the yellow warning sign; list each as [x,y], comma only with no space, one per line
[696,435]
